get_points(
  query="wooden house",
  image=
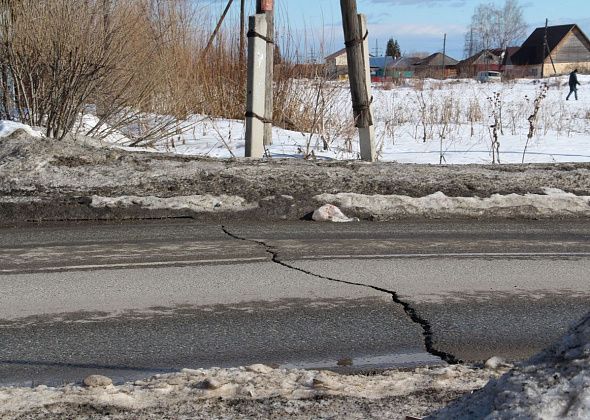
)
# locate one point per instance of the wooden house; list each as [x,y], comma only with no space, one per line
[337,65]
[552,50]
[485,60]
[436,65]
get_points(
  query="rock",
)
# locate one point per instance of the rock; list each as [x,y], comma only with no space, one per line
[95,381]
[345,361]
[259,368]
[175,380]
[324,381]
[330,213]
[496,362]
[211,384]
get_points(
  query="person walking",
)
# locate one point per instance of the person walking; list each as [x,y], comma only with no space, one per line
[573,84]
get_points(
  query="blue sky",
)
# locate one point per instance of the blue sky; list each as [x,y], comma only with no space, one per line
[418,25]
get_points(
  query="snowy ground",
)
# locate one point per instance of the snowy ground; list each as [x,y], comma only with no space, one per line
[434,122]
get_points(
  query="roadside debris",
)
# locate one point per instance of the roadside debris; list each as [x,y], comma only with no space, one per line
[330,213]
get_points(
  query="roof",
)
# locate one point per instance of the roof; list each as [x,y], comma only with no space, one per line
[510,51]
[406,62]
[381,62]
[336,54]
[495,53]
[436,59]
[532,50]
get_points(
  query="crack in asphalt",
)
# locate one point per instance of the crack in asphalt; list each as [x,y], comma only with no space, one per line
[410,311]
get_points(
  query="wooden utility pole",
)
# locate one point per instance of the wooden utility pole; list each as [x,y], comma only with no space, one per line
[546,50]
[267,7]
[242,32]
[357,55]
[443,57]
[217,27]
[256,86]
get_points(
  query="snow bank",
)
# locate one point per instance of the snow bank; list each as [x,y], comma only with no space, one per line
[197,203]
[554,203]
[9,127]
[554,384]
[254,382]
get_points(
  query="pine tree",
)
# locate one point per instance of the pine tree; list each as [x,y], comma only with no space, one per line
[393,49]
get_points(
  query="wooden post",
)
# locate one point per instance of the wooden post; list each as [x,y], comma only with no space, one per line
[357,75]
[242,32]
[267,7]
[256,86]
[443,57]
[217,27]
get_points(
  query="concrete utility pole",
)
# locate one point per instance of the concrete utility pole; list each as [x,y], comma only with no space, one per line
[267,7]
[357,52]
[256,86]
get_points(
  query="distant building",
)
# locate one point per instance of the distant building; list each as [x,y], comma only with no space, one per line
[432,66]
[485,60]
[337,65]
[566,48]
[384,68]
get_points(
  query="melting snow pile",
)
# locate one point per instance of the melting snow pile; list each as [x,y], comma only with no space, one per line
[197,203]
[7,128]
[554,202]
[256,382]
[553,384]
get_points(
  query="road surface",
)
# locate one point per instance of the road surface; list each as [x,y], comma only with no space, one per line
[132,299]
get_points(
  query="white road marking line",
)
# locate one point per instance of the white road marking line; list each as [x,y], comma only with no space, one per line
[300,257]
[132,265]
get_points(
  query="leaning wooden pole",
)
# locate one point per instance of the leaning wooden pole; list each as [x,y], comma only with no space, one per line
[357,76]
[256,86]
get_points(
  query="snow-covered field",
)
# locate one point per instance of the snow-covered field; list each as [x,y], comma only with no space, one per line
[431,122]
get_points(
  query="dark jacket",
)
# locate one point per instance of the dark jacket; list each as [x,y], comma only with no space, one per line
[574,79]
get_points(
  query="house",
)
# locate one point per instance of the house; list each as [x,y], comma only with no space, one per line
[566,48]
[337,65]
[386,68]
[432,66]
[489,59]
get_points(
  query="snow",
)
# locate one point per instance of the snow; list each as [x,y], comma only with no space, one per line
[553,203]
[197,203]
[553,384]
[434,122]
[7,128]
[255,382]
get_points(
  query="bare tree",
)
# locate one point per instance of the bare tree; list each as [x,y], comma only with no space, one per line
[495,27]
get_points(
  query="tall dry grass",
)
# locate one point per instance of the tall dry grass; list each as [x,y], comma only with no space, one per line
[139,65]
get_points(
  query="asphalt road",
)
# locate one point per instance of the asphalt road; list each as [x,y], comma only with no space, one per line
[133,299]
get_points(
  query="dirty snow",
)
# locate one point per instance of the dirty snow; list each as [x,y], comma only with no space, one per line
[197,203]
[256,382]
[554,202]
[555,384]
[7,128]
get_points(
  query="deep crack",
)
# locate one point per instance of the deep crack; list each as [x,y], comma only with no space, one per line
[407,307]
